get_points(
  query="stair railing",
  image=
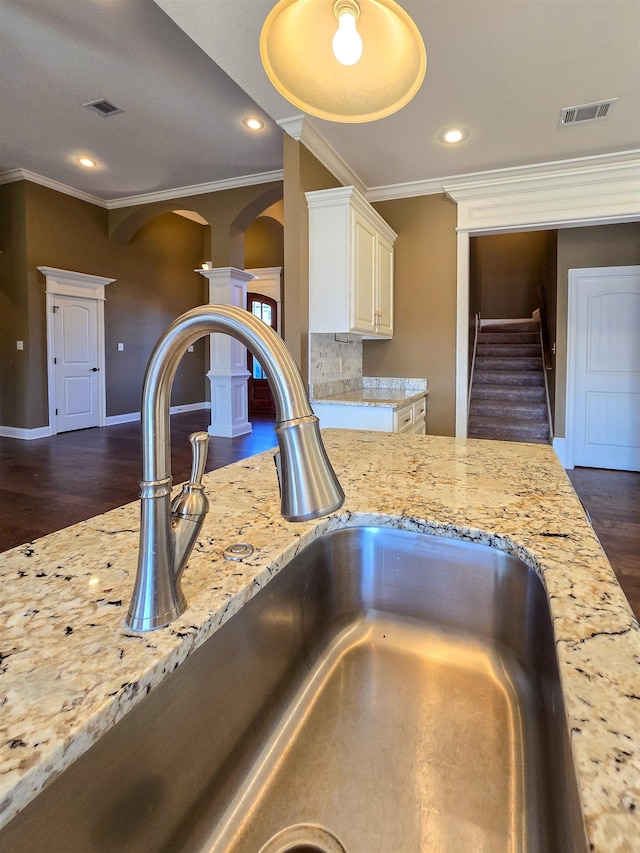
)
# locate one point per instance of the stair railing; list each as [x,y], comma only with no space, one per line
[546,354]
[473,362]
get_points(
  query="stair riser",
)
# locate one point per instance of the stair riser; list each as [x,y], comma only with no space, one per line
[507,431]
[515,364]
[519,438]
[508,350]
[499,328]
[497,377]
[506,409]
[509,338]
[514,393]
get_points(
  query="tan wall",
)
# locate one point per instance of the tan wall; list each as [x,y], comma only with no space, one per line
[505,269]
[154,283]
[14,308]
[302,173]
[264,244]
[152,262]
[581,248]
[424,341]
[229,213]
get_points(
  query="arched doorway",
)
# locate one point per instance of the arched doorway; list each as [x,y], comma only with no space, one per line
[260,396]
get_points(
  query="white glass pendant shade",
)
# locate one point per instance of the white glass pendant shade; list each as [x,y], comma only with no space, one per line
[296,47]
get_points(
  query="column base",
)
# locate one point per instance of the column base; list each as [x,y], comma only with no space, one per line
[229,405]
[226,431]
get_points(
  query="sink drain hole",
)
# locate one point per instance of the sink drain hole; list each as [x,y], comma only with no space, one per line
[303,838]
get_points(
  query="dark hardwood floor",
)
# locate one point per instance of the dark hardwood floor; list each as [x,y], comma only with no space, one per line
[50,483]
[612,499]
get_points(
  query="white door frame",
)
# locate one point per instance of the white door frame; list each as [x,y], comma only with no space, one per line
[81,286]
[572,338]
[593,191]
[268,282]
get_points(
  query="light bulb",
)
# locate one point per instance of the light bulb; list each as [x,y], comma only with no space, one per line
[347,43]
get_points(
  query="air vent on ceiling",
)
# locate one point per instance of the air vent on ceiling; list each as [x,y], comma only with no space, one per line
[103,108]
[585,112]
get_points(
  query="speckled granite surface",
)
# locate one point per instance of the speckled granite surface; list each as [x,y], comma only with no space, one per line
[70,668]
[370,391]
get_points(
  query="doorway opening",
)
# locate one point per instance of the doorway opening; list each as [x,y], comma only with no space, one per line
[75,349]
[260,397]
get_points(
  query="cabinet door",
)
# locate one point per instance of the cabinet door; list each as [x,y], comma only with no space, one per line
[363,296]
[385,288]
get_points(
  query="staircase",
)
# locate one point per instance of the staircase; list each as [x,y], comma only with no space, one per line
[508,395]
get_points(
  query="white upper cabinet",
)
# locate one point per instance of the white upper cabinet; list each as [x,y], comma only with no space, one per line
[350,265]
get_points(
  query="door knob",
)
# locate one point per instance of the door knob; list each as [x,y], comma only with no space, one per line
[95,369]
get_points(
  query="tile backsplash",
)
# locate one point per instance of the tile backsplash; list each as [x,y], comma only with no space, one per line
[335,367]
[332,360]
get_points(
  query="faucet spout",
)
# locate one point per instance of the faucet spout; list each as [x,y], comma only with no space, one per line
[168,531]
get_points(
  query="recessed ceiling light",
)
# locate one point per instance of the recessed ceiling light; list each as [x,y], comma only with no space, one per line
[87,162]
[453,135]
[253,123]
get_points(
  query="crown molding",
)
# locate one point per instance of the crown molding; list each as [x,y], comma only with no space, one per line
[599,168]
[410,189]
[479,184]
[26,175]
[585,191]
[301,129]
[623,167]
[197,189]
[144,198]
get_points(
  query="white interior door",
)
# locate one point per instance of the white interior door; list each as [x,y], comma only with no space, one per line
[604,317]
[76,363]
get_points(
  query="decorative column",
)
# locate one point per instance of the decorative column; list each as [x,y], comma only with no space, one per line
[228,372]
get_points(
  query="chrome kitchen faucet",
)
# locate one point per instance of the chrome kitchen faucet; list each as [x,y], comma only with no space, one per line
[169,529]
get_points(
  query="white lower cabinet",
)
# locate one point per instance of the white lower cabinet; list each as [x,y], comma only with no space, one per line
[411,418]
[408,418]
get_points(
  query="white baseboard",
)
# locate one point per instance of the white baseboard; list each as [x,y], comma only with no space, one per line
[45,432]
[190,407]
[24,434]
[112,420]
[560,447]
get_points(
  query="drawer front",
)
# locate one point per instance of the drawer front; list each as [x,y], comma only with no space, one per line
[419,428]
[404,418]
[420,409]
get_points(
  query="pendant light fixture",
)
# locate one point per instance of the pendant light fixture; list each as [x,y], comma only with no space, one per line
[343,60]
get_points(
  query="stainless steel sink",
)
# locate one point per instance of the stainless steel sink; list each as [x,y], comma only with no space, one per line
[386,692]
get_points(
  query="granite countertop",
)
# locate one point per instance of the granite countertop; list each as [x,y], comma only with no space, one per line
[70,668]
[371,391]
[393,397]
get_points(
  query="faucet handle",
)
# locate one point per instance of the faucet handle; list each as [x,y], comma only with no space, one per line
[199,448]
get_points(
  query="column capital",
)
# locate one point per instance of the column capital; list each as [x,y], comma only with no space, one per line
[226,274]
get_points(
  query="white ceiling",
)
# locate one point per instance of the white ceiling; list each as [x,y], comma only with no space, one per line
[502,68]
